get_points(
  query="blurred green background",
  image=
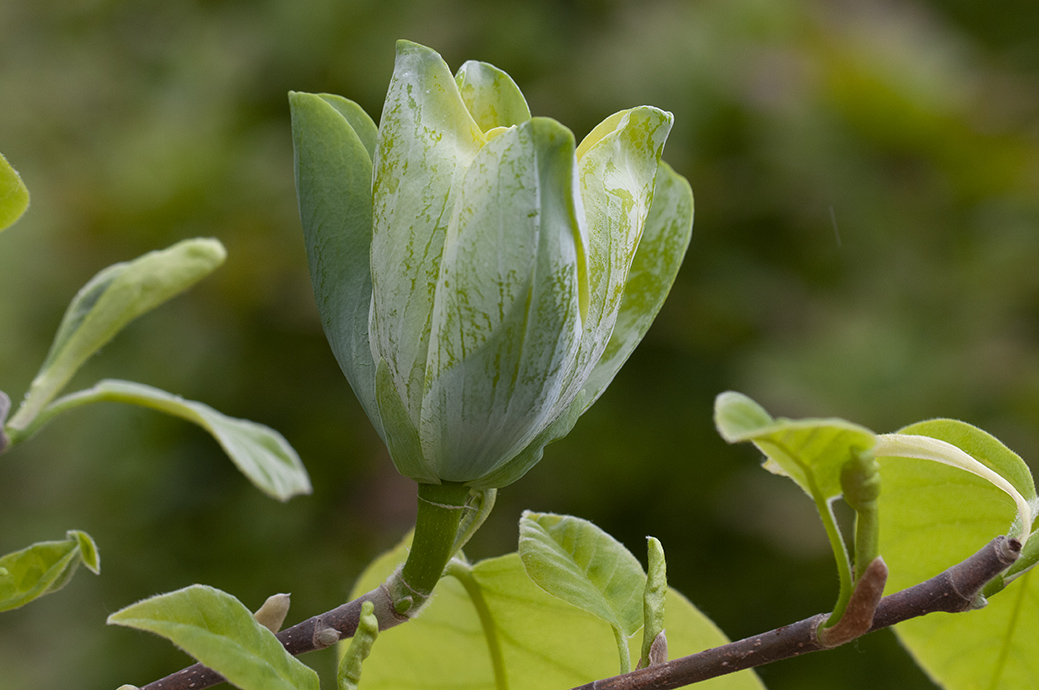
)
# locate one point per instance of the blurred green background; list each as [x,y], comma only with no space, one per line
[866,245]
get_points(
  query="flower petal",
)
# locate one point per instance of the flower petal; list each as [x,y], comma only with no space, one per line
[617,174]
[491,96]
[333,140]
[426,141]
[401,437]
[506,321]
[653,270]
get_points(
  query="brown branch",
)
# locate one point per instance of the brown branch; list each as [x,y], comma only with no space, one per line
[953,590]
[5,407]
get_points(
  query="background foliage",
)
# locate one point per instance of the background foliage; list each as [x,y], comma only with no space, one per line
[864,247]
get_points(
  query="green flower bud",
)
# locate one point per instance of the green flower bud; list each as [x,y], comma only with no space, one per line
[481,278]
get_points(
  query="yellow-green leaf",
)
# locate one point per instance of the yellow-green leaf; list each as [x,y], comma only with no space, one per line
[14,197]
[219,631]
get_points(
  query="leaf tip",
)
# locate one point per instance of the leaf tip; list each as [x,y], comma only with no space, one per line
[736,416]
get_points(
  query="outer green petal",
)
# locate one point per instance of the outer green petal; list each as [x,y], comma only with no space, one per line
[491,96]
[333,138]
[506,321]
[426,141]
[363,126]
[14,197]
[617,175]
[653,270]
[401,437]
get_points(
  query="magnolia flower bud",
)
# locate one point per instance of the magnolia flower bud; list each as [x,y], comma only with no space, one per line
[481,277]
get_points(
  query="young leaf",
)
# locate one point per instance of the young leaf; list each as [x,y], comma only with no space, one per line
[261,453]
[933,516]
[14,197]
[43,568]
[812,452]
[653,599]
[574,560]
[349,675]
[809,451]
[219,631]
[542,642]
[107,303]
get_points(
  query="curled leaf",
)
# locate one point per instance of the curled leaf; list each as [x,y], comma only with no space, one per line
[654,641]
[44,567]
[360,647]
[106,304]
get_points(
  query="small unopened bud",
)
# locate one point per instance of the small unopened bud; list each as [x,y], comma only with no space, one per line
[403,605]
[658,650]
[272,614]
[326,637]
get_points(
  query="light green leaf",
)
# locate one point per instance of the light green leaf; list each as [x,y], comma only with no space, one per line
[542,643]
[334,140]
[659,255]
[14,197]
[261,453]
[492,97]
[219,631]
[506,318]
[105,305]
[809,451]
[427,140]
[574,560]
[44,567]
[934,516]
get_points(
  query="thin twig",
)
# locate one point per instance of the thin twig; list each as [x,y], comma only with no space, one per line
[953,590]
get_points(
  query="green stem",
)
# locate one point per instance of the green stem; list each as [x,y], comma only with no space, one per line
[840,555]
[463,572]
[440,510]
[623,650]
[860,482]
[88,396]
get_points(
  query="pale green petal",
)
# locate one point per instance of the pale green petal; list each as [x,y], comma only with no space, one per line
[653,270]
[426,141]
[532,454]
[506,321]
[333,140]
[607,126]
[617,176]
[491,96]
